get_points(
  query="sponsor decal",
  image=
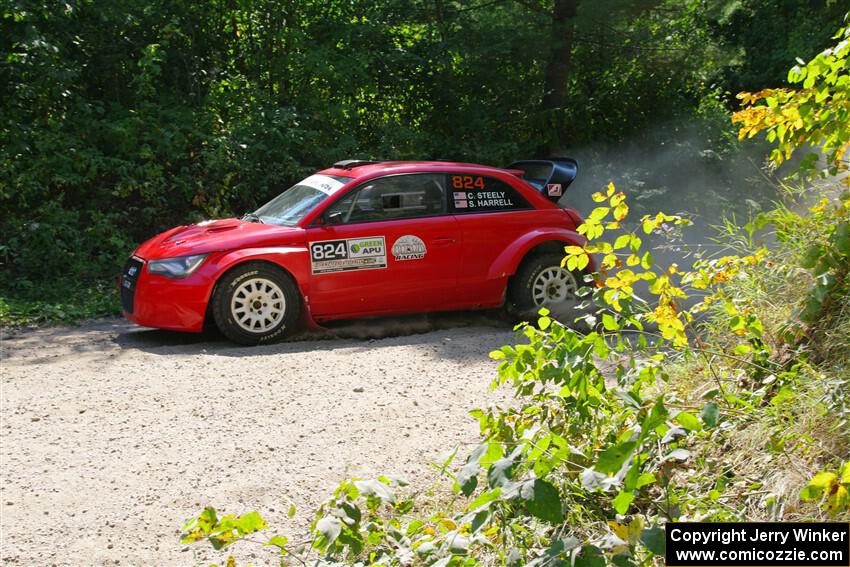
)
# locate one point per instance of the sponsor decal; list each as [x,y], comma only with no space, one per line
[554,189]
[325,184]
[365,247]
[369,253]
[409,247]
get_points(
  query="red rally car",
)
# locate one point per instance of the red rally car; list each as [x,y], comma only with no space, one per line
[365,239]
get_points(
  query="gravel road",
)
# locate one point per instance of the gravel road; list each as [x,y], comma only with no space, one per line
[113,435]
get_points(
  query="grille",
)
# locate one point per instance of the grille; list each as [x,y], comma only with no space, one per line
[129,277]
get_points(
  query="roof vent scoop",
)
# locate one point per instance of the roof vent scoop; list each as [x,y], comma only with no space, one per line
[549,176]
[352,163]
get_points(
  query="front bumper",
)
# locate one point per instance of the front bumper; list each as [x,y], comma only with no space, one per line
[155,301]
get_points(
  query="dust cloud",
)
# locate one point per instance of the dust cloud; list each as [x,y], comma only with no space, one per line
[404,325]
[674,168]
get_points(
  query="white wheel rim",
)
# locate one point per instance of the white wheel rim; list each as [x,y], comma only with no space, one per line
[257,305]
[552,286]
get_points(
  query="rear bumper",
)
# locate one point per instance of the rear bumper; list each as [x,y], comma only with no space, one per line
[164,303]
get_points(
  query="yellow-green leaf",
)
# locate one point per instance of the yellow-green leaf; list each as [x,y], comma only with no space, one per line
[599,213]
[816,487]
[622,501]
[688,421]
[622,241]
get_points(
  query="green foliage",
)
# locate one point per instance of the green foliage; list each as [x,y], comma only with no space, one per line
[815,115]
[633,61]
[766,35]
[64,304]
[223,531]
[825,254]
[832,489]
[227,530]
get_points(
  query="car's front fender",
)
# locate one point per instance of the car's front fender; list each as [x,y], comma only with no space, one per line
[508,261]
[294,259]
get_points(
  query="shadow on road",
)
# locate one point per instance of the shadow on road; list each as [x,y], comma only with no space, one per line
[354,333]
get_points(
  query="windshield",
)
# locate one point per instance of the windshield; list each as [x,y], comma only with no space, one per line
[292,205]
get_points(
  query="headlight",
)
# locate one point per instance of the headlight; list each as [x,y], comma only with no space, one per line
[177,267]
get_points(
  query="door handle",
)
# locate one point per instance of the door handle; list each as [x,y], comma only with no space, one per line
[443,241]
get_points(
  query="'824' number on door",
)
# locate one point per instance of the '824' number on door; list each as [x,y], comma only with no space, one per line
[329,250]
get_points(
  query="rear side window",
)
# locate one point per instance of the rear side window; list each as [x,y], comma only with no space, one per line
[481,194]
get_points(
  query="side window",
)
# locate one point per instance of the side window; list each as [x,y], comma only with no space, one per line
[479,193]
[394,197]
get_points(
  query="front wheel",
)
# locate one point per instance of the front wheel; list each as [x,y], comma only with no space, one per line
[256,303]
[542,282]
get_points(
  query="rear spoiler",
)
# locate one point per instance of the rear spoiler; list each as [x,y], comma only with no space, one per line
[549,176]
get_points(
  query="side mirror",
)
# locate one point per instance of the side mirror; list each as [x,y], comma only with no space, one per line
[334,217]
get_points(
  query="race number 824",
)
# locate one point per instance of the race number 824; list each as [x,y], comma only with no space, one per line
[329,250]
[461,182]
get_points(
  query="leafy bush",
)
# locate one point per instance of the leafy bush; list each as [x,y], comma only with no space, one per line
[65,304]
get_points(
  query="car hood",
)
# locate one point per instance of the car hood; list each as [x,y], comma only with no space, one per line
[217,235]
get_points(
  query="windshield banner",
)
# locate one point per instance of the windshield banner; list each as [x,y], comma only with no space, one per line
[325,184]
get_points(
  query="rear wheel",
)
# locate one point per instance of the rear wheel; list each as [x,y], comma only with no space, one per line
[256,303]
[541,282]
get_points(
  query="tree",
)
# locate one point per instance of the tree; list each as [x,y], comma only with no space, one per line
[557,71]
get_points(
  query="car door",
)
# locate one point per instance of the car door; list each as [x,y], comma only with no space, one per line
[388,246]
[491,215]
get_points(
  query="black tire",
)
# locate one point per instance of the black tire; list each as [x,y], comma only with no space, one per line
[520,297]
[269,324]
